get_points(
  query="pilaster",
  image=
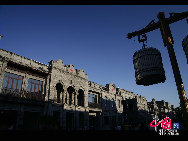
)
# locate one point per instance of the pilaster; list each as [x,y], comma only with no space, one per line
[3,65]
[76,99]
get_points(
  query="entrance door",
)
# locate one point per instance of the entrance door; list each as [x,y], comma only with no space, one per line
[92,122]
[31,120]
[69,121]
[8,119]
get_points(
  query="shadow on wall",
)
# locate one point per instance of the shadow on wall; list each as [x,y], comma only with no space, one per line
[105,118]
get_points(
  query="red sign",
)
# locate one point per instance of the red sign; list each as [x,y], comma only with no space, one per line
[165,123]
[71,70]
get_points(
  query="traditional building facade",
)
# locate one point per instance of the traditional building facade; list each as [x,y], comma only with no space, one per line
[161,109]
[39,96]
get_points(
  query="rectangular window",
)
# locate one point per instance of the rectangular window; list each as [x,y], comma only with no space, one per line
[92,98]
[34,85]
[12,81]
[5,81]
[119,104]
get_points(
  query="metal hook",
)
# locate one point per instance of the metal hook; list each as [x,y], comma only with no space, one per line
[144,39]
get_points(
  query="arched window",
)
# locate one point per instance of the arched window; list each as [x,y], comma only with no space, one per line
[80,97]
[59,88]
[113,103]
[70,90]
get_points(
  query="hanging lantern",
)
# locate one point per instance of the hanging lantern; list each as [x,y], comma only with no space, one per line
[148,66]
[185,46]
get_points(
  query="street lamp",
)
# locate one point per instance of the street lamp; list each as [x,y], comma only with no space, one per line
[1,36]
[148,65]
[163,24]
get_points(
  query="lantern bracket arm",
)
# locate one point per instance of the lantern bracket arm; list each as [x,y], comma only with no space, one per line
[151,24]
[143,39]
[174,14]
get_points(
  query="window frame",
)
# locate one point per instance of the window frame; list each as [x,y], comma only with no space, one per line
[14,80]
[33,82]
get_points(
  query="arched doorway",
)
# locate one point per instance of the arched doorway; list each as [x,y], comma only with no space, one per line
[70,90]
[59,88]
[81,97]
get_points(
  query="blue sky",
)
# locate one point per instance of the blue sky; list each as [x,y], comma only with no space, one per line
[93,38]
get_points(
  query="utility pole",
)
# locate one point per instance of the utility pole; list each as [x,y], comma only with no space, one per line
[163,24]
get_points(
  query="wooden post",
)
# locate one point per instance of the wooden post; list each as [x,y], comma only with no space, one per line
[168,42]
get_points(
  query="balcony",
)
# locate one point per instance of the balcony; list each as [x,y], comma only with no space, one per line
[23,94]
[94,105]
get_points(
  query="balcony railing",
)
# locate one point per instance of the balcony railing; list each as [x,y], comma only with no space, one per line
[23,94]
[94,105]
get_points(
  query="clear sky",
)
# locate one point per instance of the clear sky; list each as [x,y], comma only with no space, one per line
[93,38]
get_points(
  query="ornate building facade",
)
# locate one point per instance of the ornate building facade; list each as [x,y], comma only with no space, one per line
[38,96]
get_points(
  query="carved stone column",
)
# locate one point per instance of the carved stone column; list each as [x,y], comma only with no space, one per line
[64,97]
[76,99]
[25,82]
[85,100]
[3,65]
[73,95]
[46,88]
[97,98]
[67,96]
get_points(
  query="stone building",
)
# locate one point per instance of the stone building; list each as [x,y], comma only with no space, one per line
[161,109]
[136,110]
[153,107]
[58,96]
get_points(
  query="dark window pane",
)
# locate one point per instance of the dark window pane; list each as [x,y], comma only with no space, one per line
[95,99]
[12,80]
[10,83]
[29,87]
[32,87]
[6,74]
[29,81]
[19,85]
[33,81]
[12,75]
[5,81]
[40,88]
[37,82]
[36,88]
[89,98]
[92,98]
[14,84]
